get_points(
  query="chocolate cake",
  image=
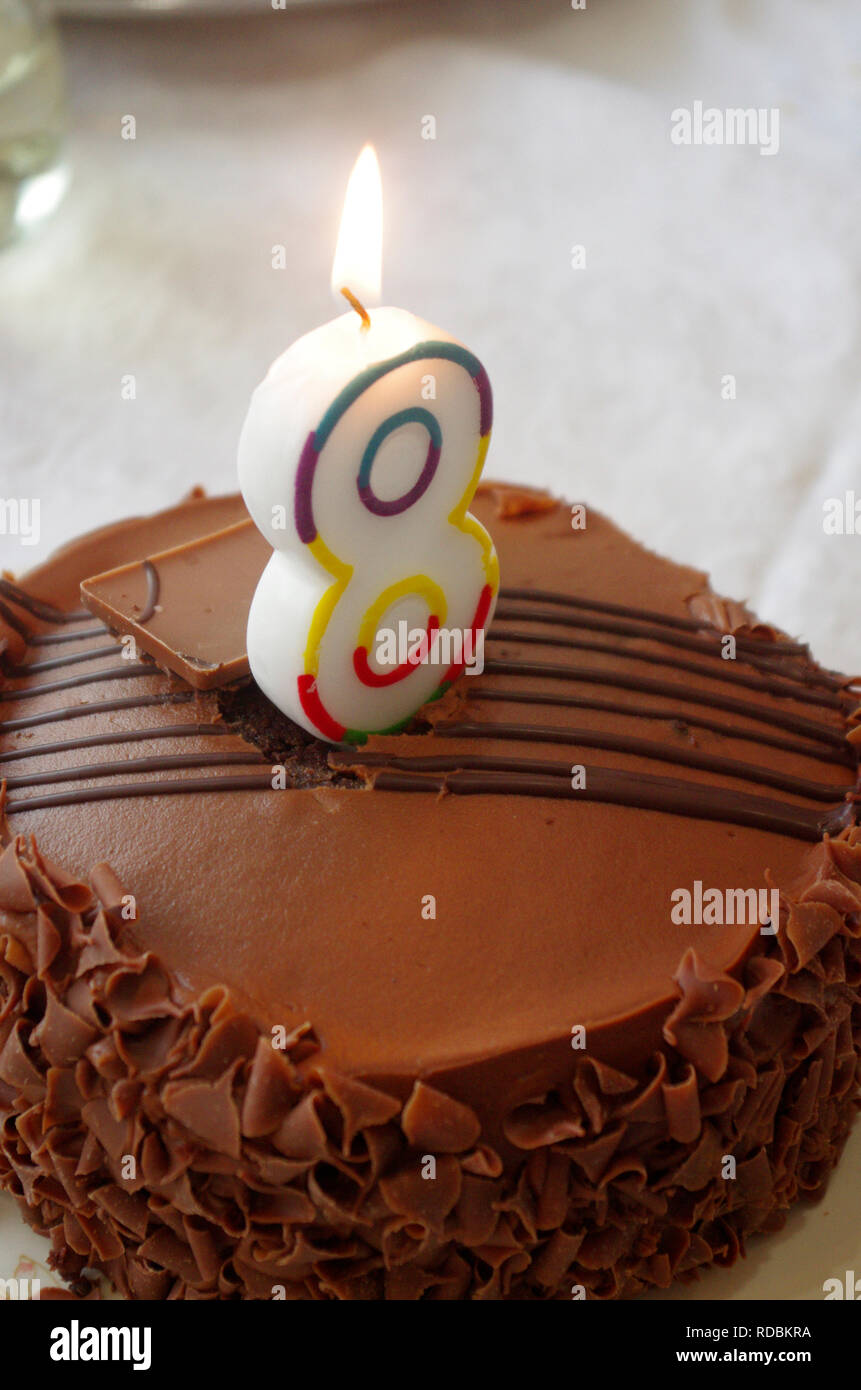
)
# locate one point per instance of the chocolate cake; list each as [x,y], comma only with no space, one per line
[420,1019]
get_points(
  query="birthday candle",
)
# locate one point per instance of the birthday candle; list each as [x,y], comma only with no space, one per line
[358,460]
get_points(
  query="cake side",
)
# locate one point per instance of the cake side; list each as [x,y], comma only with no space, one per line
[166,1141]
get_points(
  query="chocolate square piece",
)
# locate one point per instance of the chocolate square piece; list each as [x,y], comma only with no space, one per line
[187,607]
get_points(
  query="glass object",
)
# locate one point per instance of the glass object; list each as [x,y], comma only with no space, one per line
[33,173]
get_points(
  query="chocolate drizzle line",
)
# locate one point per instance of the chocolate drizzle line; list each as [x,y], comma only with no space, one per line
[55,663]
[124,736]
[45,612]
[45,639]
[14,622]
[111,673]
[59,716]
[153,588]
[118,791]
[645,748]
[169,762]
[471,777]
[593,675]
[840,753]
[694,642]
[792,687]
[621,610]
[54,639]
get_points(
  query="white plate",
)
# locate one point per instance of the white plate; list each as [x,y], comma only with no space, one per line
[23,1254]
[818,1243]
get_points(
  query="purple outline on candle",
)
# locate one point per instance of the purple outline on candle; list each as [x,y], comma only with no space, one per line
[302,512]
[481,382]
[450,352]
[411,415]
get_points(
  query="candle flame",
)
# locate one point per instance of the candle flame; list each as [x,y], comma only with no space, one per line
[358,263]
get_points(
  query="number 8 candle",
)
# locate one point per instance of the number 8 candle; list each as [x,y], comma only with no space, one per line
[358,460]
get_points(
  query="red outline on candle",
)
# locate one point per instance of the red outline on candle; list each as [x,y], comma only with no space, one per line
[363,670]
[316,710]
[485,599]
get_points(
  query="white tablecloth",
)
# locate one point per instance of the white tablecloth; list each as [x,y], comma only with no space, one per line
[553,130]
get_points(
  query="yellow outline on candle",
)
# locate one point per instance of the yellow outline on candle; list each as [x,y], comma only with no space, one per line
[417,584]
[342,573]
[462,521]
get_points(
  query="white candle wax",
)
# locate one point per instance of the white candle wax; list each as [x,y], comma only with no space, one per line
[358,460]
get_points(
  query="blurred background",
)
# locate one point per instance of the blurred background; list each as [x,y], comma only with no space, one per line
[672,331]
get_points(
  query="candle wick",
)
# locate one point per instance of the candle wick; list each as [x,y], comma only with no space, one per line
[359,308]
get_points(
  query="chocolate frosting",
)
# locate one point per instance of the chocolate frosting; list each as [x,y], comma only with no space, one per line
[262,1172]
[408,1037]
